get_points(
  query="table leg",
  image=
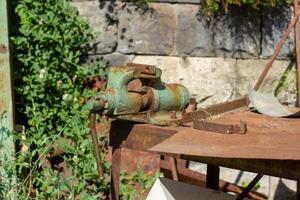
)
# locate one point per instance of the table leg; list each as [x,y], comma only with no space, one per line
[298,190]
[173,166]
[212,177]
[249,187]
[115,174]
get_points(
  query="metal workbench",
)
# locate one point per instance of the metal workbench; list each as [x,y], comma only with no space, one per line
[270,147]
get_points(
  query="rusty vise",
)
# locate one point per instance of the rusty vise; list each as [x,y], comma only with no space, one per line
[136,93]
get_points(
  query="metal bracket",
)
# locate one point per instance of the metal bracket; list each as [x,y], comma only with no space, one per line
[214,110]
[221,128]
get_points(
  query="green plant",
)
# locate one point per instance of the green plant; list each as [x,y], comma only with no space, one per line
[288,81]
[136,179]
[49,44]
[52,38]
[7,171]
[212,6]
[256,187]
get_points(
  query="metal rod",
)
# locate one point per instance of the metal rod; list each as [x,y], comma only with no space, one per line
[96,144]
[115,173]
[298,190]
[277,50]
[249,187]
[7,114]
[212,177]
[297,45]
[174,168]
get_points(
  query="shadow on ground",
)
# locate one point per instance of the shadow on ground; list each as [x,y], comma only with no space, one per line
[282,192]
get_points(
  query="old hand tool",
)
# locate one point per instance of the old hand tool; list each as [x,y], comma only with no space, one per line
[136,93]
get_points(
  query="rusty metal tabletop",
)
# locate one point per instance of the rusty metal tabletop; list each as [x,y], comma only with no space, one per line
[266,138]
[271,146]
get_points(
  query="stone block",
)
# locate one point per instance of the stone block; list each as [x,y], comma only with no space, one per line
[109,59]
[102,16]
[147,29]
[237,34]
[169,65]
[194,33]
[248,72]
[274,23]
[210,80]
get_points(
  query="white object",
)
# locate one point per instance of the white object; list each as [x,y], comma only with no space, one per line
[166,189]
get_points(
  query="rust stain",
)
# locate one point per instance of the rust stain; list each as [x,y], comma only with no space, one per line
[135,85]
[2,106]
[132,160]
[276,143]
[3,48]
[175,90]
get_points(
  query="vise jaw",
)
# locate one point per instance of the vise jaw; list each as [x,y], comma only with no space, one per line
[135,93]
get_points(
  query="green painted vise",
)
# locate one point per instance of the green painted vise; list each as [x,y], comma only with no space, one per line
[135,93]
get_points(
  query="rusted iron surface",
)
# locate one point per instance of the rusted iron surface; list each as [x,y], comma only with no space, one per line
[240,128]
[142,68]
[137,136]
[195,178]
[93,132]
[131,160]
[136,86]
[173,166]
[292,23]
[192,107]
[214,110]
[267,138]
[115,174]
[258,124]
[253,145]
[270,146]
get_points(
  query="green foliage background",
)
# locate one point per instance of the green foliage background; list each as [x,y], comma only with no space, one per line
[212,6]
[49,41]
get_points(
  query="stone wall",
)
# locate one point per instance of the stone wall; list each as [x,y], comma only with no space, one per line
[215,58]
